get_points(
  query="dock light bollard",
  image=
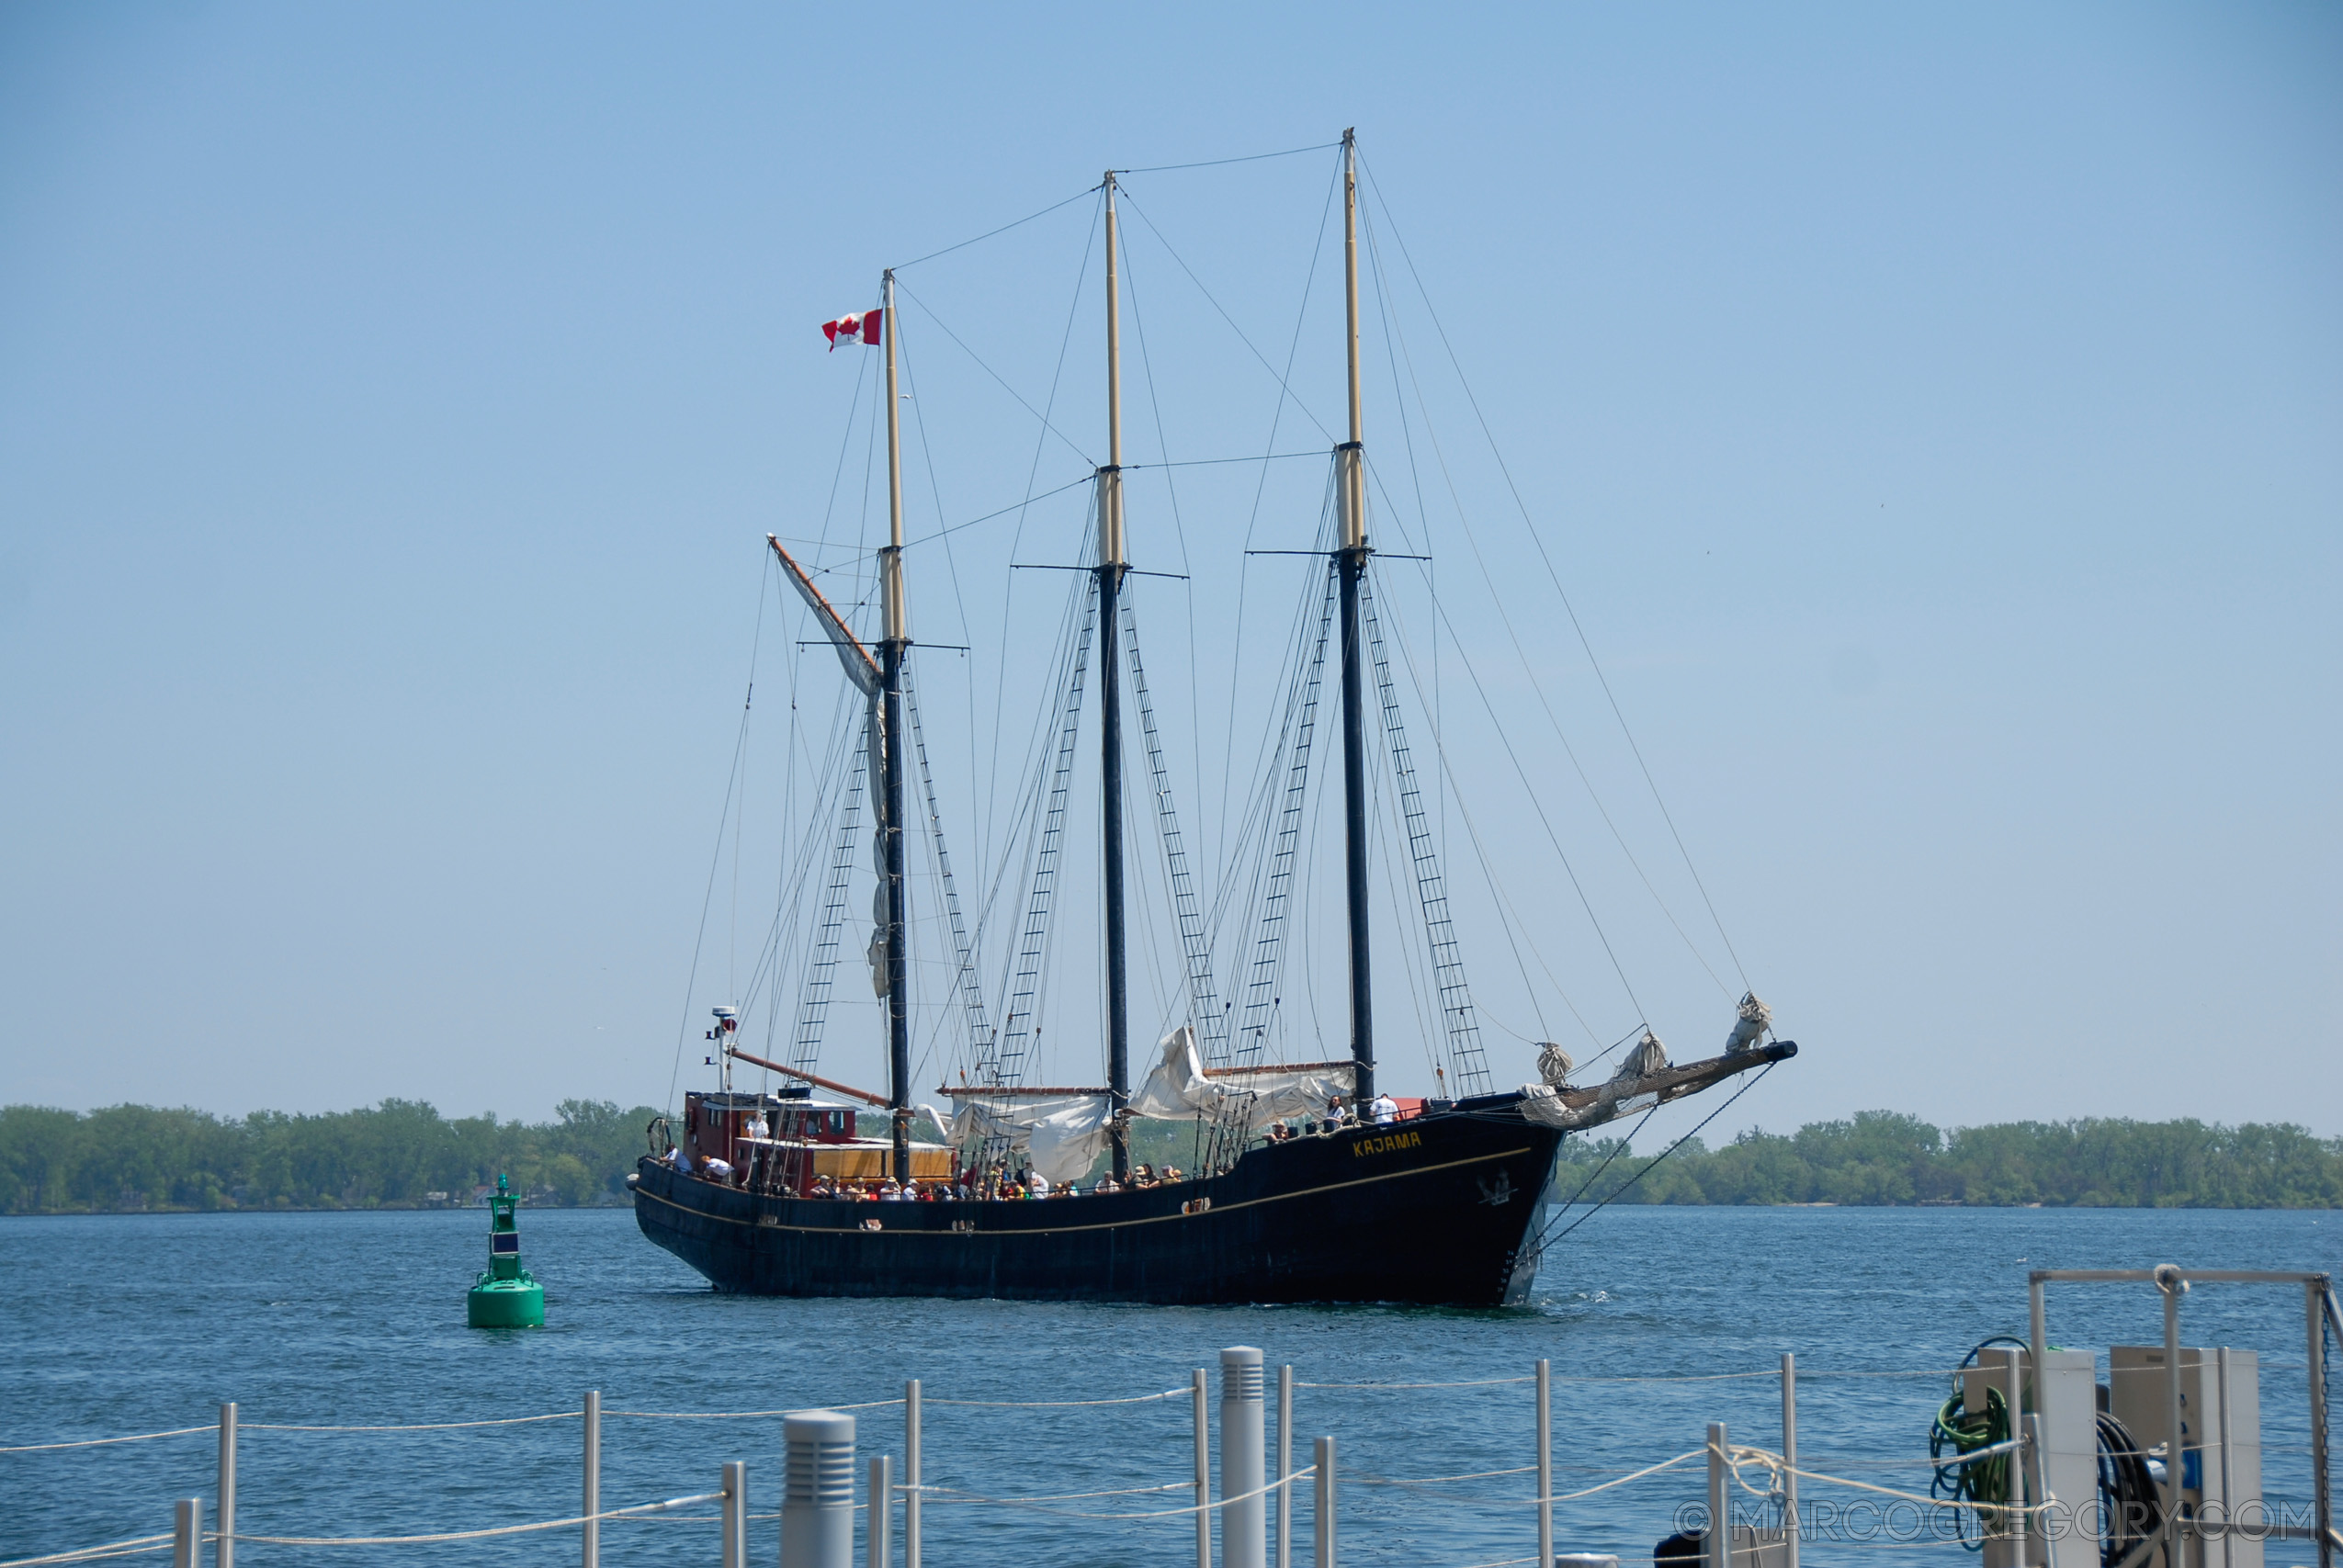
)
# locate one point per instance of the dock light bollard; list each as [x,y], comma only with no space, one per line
[1244,1540]
[1322,1516]
[223,1550]
[877,1550]
[186,1533]
[736,1514]
[818,1490]
[1720,1500]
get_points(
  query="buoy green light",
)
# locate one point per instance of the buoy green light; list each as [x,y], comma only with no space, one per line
[504,1296]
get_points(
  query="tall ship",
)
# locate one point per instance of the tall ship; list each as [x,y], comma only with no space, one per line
[1291,1180]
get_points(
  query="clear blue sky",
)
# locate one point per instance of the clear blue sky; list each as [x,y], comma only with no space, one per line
[1935,412]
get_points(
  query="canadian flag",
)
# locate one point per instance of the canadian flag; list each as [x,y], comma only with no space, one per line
[865,328]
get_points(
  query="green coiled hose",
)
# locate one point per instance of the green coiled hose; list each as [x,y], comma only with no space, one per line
[1985,1482]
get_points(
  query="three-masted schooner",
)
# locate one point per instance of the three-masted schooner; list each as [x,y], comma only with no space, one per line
[1441,1200]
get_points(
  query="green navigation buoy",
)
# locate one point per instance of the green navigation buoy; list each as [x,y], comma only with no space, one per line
[504,1296]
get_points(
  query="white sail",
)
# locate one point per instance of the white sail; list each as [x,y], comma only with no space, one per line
[1179,1091]
[1060,1137]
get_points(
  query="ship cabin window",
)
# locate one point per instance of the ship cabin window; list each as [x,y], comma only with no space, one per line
[835,1124]
[508,1241]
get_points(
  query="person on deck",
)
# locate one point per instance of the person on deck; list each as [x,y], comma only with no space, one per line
[1038,1186]
[1386,1109]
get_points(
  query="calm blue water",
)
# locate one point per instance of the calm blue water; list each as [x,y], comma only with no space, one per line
[134,1324]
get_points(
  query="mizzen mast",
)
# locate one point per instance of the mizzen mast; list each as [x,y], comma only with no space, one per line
[1351,561]
[1110,569]
[892,643]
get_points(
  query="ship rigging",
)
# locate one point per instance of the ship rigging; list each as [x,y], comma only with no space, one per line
[1308,1179]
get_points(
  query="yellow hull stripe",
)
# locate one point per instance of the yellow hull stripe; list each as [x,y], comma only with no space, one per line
[1103,1225]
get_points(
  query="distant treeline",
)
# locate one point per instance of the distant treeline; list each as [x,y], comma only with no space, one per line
[404,1153]
[399,1153]
[1880,1157]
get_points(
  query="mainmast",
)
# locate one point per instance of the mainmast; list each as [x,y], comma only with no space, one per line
[1111,567]
[890,686]
[1350,562]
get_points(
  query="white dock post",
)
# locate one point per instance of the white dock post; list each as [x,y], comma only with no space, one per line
[1544,1464]
[818,1490]
[2172,1282]
[1285,1466]
[1790,1459]
[1244,1525]
[1322,1516]
[736,1514]
[2015,1396]
[912,1475]
[590,1546]
[2037,1474]
[877,1549]
[1204,1476]
[2228,1485]
[223,1550]
[2314,1368]
[186,1533]
[1720,1501]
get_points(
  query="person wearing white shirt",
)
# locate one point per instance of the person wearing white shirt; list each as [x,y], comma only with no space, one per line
[1387,1109]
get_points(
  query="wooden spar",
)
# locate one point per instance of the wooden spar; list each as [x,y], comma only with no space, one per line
[1017,1092]
[831,1084]
[837,628]
[1670,1083]
[1278,1068]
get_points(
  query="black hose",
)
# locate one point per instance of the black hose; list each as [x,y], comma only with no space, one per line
[2131,1505]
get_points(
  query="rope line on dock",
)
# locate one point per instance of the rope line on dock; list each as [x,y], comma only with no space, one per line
[1039,1506]
[954,1494]
[1059,1403]
[747,1414]
[1804,1372]
[1737,1456]
[130,1548]
[1473,1382]
[640,1508]
[406,1426]
[101,1442]
[1435,1480]
[1684,1458]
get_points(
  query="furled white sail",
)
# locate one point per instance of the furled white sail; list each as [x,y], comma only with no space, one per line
[1061,1138]
[1178,1090]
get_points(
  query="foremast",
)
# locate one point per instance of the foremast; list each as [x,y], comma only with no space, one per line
[1351,561]
[1110,571]
[894,641]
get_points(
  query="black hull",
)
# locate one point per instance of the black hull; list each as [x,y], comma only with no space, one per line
[1441,1211]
